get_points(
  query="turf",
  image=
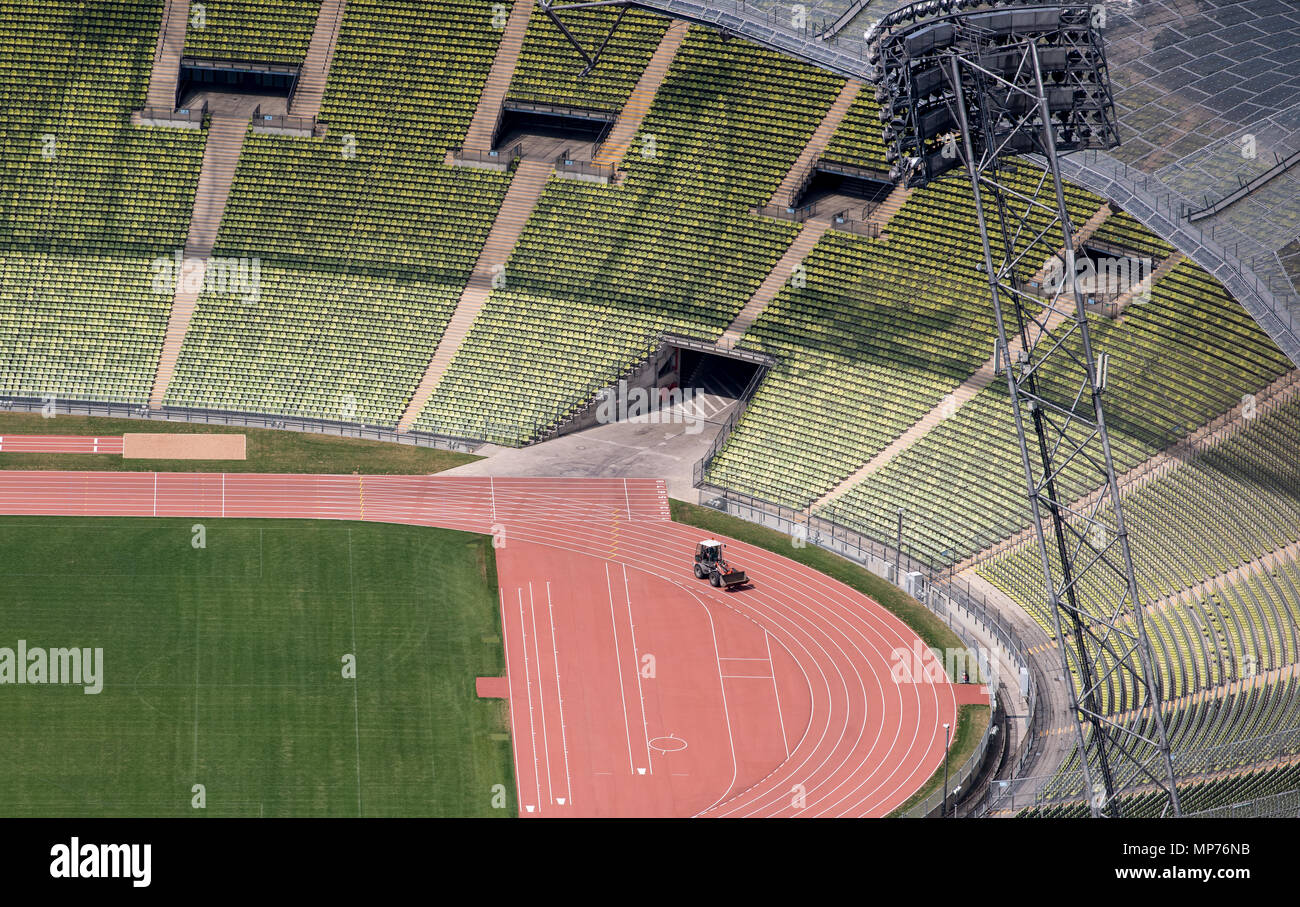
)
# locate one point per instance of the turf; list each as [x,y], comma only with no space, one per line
[269,450]
[972,721]
[223,667]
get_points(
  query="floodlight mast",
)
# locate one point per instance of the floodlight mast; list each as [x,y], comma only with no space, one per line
[989,75]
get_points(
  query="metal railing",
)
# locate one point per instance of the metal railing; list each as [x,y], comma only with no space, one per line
[1190,765]
[282,121]
[1218,251]
[570,111]
[1244,188]
[947,597]
[503,157]
[177,114]
[307,424]
[569,166]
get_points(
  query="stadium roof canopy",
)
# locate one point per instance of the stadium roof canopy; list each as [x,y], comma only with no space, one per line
[1199,86]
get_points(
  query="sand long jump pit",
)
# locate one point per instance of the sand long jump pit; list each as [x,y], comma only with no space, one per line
[184,446]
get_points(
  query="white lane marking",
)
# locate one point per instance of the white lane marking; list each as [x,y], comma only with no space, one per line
[541,694]
[767,638]
[528,689]
[618,655]
[636,666]
[564,740]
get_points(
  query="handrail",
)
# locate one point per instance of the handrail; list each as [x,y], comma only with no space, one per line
[176,114]
[598,114]
[130,409]
[843,21]
[1244,189]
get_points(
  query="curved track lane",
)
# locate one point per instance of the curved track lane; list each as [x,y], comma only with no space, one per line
[863,744]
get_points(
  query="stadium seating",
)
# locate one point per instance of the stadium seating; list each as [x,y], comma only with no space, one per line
[389,230]
[260,31]
[858,141]
[1178,361]
[87,201]
[601,272]
[879,335]
[1122,229]
[1234,503]
[1198,797]
[550,69]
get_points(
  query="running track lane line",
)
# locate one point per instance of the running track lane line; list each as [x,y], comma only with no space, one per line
[788,601]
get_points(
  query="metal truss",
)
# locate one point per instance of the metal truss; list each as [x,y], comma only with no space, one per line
[553,10]
[978,97]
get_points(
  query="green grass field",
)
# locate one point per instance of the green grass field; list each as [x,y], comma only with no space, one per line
[223,666]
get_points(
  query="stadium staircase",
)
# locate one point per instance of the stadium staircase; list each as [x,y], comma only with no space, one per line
[612,151]
[802,172]
[314,73]
[882,213]
[1143,287]
[220,158]
[1081,236]
[483,127]
[166,72]
[525,189]
[1279,392]
[776,279]
[965,392]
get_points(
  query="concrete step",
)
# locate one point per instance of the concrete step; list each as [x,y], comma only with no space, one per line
[776,279]
[821,137]
[616,145]
[482,127]
[521,198]
[885,211]
[225,140]
[310,90]
[165,74]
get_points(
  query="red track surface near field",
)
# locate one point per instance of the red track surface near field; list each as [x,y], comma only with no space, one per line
[635,689]
[60,444]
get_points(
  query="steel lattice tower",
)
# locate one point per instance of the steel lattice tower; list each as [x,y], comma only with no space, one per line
[1037,85]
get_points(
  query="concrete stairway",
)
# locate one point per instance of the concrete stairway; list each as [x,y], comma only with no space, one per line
[525,189]
[620,138]
[883,212]
[482,128]
[798,250]
[220,158]
[315,70]
[1142,289]
[166,72]
[947,407]
[1081,236]
[821,137]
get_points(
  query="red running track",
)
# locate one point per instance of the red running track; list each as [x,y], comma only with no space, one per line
[635,689]
[84,444]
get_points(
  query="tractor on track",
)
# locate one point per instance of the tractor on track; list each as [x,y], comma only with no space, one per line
[710,563]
